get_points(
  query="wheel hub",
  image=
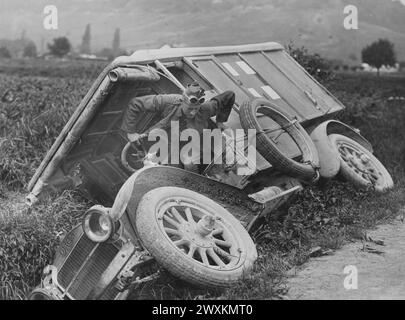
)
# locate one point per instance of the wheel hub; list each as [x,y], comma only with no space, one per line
[205,225]
[200,234]
[364,159]
[359,162]
[356,162]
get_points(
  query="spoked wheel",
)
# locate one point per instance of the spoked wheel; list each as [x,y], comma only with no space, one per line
[210,243]
[193,237]
[360,166]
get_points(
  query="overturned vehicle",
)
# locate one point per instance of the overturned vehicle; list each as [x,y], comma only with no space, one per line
[193,224]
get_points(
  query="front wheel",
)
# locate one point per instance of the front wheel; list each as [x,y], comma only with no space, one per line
[194,238]
[359,166]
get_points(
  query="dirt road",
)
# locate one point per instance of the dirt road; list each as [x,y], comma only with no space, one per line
[380,267]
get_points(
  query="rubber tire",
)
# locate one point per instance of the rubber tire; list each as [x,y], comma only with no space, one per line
[305,171]
[178,263]
[347,173]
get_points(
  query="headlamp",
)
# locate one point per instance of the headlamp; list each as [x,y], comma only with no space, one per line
[98,225]
[42,294]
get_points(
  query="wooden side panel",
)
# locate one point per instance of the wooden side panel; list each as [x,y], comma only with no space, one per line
[250,78]
[296,103]
[325,101]
[219,79]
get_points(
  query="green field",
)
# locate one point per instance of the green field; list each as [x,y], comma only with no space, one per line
[37,98]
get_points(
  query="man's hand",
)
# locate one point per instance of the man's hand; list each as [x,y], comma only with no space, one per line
[221,126]
[132,137]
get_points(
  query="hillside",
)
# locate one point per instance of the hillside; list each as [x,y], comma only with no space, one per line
[145,24]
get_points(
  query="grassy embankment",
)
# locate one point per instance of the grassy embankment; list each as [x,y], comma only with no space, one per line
[36,101]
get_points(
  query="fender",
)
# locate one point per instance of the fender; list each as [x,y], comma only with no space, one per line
[328,155]
[233,199]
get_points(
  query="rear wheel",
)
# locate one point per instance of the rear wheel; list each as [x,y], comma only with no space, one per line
[193,237]
[359,166]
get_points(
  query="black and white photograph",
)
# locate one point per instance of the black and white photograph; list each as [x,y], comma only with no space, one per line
[215,152]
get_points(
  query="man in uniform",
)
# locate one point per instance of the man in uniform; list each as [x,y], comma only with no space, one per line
[189,109]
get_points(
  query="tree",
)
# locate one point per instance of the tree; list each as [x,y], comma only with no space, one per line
[116,44]
[30,50]
[60,47]
[313,63]
[86,47]
[4,53]
[378,54]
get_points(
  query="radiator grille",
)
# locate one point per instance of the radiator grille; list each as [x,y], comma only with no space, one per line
[111,293]
[79,276]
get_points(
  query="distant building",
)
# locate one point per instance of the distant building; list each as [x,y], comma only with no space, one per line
[88,56]
[384,69]
[340,65]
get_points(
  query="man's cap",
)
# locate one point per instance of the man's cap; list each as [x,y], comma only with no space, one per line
[194,89]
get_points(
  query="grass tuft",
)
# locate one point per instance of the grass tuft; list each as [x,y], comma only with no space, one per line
[29,237]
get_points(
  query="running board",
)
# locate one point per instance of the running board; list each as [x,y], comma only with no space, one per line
[271,198]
